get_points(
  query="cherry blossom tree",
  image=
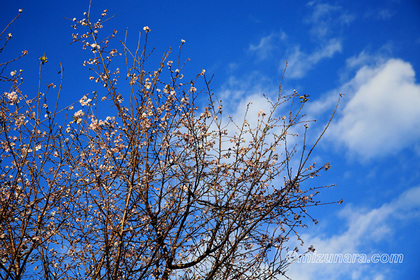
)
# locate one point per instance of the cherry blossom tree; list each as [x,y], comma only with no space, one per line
[142,179]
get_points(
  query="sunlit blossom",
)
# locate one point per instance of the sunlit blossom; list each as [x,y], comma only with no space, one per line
[95,46]
[77,117]
[85,101]
[12,96]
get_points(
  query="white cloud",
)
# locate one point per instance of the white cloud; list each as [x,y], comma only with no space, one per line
[238,89]
[300,62]
[237,93]
[363,228]
[247,95]
[382,116]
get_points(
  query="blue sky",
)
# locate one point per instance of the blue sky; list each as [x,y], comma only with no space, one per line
[367,50]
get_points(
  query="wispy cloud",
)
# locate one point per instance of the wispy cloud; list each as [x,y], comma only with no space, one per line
[379,14]
[239,89]
[300,62]
[267,45]
[382,116]
[362,228]
[369,58]
[363,59]
[325,18]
